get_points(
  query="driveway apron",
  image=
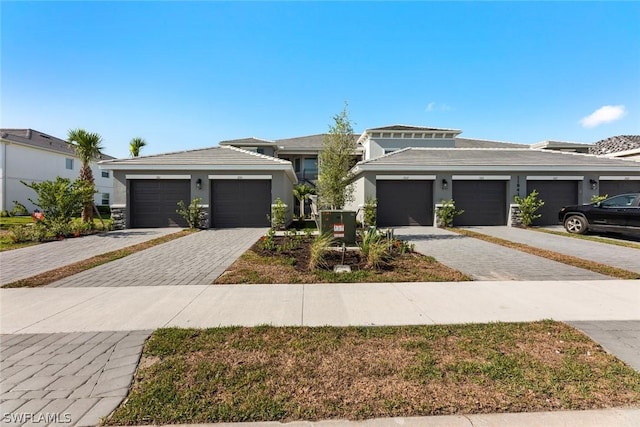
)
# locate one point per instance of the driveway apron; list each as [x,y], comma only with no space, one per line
[604,253]
[26,262]
[487,261]
[71,379]
[197,259]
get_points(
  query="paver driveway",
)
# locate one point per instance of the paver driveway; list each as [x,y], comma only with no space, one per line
[26,262]
[487,261]
[66,379]
[615,256]
[197,259]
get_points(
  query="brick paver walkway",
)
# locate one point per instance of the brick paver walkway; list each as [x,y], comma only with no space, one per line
[197,259]
[71,379]
[487,261]
[26,262]
[615,256]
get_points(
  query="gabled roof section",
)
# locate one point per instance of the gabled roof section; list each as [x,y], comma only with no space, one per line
[250,141]
[410,128]
[559,145]
[42,140]
[492,159]
[304,143]
[616,144]
[486,143]
[200,158]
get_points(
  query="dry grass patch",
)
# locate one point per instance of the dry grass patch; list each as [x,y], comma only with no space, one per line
[296,373]
[596,267]
[80,266]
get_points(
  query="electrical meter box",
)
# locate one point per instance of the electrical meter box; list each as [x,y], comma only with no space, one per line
[340,224]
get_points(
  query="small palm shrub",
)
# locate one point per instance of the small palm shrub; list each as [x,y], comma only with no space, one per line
[447,212]
[369,212]
[192,214]
[596,198]
[528,207]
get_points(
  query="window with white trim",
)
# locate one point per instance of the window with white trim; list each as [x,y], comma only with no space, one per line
[68,163]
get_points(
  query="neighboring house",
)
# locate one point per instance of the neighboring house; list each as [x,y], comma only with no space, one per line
[29,155]
[408,169]
[622,146]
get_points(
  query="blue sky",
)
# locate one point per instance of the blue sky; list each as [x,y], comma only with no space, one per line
[188,75]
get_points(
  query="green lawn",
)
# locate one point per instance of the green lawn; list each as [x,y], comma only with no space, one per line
[300,373]
[10,221]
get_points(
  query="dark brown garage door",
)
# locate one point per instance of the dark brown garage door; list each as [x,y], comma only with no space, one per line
[240,203]
[404,203]
[613,188]
[555,195]
[483,202]
[154,202]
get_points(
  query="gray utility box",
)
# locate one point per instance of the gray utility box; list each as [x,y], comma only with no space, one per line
[340,224]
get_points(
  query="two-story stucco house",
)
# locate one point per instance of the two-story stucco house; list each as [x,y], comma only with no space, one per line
[29,155]
[407,169]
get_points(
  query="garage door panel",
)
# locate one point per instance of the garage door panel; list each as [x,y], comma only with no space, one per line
[240,203]
[404,202]
[483,202]
[613,188]
[555,195]
[154,202]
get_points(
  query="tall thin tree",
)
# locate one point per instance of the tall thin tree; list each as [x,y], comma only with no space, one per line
[335,161]
[136,145]
[88,148]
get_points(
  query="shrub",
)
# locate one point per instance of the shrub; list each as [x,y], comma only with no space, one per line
[319,248]
[528,207]
[19,209]
[192,214]
[447,212]
[595,198]
[369,212]
[266,243]
[376,248]
[278,218]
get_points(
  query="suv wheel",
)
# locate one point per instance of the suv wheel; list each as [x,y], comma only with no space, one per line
[575,224]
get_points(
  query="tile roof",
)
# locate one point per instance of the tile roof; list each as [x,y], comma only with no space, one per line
[248,141]
[39,139]
[492,159]
[616,144]
[409,128]
[485,143]
[213,156]
[309,142]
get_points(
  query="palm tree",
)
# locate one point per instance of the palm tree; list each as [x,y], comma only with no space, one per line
[302,192]
[88,148]
[136,145]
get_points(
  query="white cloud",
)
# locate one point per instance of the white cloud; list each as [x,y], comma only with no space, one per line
[433,106]
[604,114]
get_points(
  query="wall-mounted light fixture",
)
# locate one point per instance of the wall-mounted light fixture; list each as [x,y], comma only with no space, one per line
[594,184]
[445,184]
[199,184]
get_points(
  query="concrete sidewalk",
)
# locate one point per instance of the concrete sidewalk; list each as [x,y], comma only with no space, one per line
[26,262]
[45,310]
[619,417]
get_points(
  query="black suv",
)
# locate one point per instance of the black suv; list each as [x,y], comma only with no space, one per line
[618,214]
